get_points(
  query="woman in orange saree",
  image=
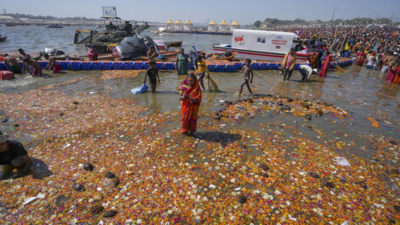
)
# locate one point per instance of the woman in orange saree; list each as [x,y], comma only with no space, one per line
[190,95]
[396,79]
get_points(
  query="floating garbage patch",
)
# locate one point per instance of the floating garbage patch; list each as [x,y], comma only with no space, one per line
[250,107]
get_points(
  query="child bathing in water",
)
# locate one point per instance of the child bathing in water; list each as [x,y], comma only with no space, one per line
[246,69]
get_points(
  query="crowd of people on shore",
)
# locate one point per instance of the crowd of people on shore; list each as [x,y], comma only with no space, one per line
[375,47]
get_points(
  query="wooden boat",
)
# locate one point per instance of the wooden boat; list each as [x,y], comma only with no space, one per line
[170,53]
[159,31]
[2,39]
[100,57]
[144,58]
[107,57]
[224,58]
[167,54]
[9,25]
[54,26]
[173,44]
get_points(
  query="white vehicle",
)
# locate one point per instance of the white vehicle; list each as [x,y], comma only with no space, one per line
[262,45]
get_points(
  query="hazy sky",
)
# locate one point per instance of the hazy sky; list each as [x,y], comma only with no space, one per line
[244,11]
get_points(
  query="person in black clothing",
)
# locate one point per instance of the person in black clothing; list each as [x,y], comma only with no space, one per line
[13,155]
[298,47]
[152,72]
[312,42]
[320,54]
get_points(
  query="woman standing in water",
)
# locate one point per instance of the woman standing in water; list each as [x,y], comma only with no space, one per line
[325,66]
[182,62]
[360,57]
[190,95]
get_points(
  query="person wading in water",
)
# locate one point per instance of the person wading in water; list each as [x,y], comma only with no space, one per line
[248,76]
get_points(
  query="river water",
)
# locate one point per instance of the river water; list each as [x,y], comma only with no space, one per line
[37,38]
[361,92]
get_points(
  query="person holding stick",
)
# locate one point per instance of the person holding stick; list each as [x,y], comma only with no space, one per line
[201,71]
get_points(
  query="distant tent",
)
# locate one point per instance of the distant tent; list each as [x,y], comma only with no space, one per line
[212,26]
[223,26]
[188,25]
[170,24]
[235,25]
[179,25]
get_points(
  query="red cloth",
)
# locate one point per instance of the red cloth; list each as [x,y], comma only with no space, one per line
[189,110]
[7,75]
[325,66]
[92,55]
[57,69]
[390,75]
[360,59]
[37,72]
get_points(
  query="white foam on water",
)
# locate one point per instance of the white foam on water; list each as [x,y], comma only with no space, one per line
[19,81]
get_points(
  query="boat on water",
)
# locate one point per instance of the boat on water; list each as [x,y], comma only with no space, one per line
[9,25]
[99,26]
[176,44]
[160,44]
[160,30]
[223,57]
[54,26]
[261,45]
[114,33]
[3,38]
[167,54]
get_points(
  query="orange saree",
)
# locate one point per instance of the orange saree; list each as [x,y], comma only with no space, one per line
[396,79]
[190,110]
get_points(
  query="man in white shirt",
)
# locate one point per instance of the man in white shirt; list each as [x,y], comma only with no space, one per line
[306,72]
